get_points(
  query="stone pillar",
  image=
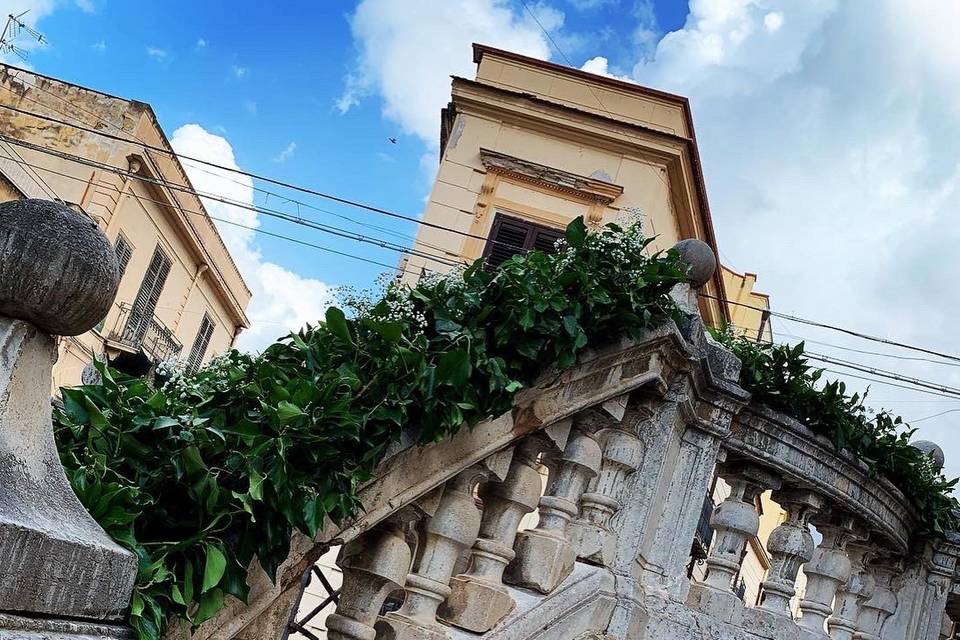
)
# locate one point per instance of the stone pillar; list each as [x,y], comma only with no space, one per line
[881,605]
[790,545]
[923,590]
[842,625]
[374,564]
[451,531]
[826,572]
[61,576]
[590,532]
[545,555]
[478,599]
[735,521]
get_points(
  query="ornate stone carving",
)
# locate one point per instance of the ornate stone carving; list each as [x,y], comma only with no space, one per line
[790,545]
[545,555]
[826,572]
[882,604]
[842,625]
[478,599]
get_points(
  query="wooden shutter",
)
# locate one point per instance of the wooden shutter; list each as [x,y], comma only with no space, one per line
[124,252]
[141,314]
[511,236]
[200,343]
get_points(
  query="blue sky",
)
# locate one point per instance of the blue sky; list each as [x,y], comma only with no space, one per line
[828,132]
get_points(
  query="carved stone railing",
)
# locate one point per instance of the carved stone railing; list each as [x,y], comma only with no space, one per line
[614,456]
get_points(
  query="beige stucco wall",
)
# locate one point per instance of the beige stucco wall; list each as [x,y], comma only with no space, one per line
[203,277]
[746,305]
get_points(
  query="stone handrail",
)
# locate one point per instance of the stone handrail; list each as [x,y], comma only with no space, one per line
[807,461]
[614,455]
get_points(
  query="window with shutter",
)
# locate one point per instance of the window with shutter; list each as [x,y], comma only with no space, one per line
[200,343]
[141,313]
[124,252]
[510,236]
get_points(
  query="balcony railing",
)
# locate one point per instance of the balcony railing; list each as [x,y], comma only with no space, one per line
[142,330]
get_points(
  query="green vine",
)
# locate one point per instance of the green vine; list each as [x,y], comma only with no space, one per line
[203,473]
[779,376]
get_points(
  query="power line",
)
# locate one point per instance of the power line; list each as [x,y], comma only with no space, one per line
[936,415]
[255,176]
[872,353]
[228,201]
[836,328]
[883,382]
[884,374]
[141,142]
[239,225]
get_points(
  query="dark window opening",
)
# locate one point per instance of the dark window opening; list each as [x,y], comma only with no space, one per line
[200,344]
[511,236]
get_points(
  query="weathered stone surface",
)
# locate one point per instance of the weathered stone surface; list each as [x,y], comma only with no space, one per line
[698,259]
[57,269]
[20,628]
[54,558]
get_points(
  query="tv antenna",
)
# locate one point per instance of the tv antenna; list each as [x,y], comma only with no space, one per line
[14,27]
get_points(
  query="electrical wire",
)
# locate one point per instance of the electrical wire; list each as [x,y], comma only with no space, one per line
[822,325]
[884,374]
[228,201]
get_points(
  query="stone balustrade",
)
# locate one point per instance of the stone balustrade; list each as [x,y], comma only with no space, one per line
[613,456]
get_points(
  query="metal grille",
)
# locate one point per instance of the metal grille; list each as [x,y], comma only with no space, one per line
[297,626]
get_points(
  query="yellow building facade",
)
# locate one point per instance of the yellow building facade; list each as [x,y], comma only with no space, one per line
[181,296]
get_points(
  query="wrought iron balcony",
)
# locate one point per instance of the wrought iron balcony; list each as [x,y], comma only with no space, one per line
[143,331]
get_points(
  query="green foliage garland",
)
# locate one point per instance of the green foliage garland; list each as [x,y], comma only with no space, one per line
[204,473]
[780,377]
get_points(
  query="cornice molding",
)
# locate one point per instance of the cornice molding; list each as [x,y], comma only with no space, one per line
[582,187]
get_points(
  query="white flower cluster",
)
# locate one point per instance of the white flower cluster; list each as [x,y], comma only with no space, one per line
[400,308]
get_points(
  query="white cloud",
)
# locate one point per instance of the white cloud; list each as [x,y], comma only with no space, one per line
[282,300]
[201,44]
[600,66]
[407,57]
[286,154]
[828,131]
[590,5]
[239,72]
[157,53]
[99,47]
[86,6]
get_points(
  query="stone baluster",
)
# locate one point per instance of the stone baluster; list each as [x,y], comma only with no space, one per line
[448,533]
[881,605]
[842,625]
[60,574]
[590,532]
[374,564]
[545,555]
[735,521]
[478,599]
[826,572]
[790,545]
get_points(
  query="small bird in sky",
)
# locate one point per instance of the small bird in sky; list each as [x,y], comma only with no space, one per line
[392,140]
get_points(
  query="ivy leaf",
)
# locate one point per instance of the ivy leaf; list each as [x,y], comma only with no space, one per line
[210,603]
[337,323]
[454,368]
[576,232]
[213,569]
[287,411]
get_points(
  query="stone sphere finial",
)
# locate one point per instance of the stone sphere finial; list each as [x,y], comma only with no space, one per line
[58,271]
[699,260]
[931,449]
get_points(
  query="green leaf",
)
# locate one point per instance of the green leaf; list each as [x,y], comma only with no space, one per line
[576,232]
[210,603]
[287,411]
[213,569]
[337,323]
[454,368]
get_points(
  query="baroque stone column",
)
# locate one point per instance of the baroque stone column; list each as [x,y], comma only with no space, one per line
[790,545]
[622,454]
[842,625]
[826,572]
[882,604]
[478,599]
[61,576]
[449,532]
[545,555]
